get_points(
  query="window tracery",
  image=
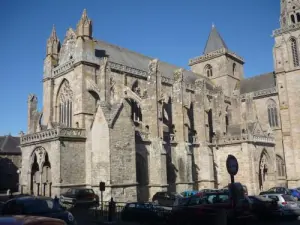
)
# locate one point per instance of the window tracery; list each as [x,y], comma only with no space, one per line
[65,104]
[272,113]
[280,166]
[295,54]
[208,70]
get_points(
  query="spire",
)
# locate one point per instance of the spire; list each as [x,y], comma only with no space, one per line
[53,44]
[214,41]
[53,33]
[84,26]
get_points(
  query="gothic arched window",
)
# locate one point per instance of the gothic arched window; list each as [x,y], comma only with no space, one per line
[272,113]
[293,18]
[208,70]
[298,17]
[295,53]
[280,166]
[233,69]
[65,106]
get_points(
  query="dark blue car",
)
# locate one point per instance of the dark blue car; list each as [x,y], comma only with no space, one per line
[37,206]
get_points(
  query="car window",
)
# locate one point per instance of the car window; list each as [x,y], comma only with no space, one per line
[274,197]
[195,200]
[288,198]
[272,190]
[37,206]
[210,199]
[131,205]
[223,198]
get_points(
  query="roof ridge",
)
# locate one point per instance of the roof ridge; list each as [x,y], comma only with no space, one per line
[259,75]
[141,54]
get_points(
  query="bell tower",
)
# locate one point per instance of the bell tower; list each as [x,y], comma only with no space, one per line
[287,69]
[218,63]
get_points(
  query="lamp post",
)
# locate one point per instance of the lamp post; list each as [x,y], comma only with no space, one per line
[19,184]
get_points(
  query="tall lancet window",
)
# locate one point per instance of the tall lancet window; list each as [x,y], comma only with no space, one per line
[272,113]
[65,105]
[295,53]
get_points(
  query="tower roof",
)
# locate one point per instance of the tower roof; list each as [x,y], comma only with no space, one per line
[214,42]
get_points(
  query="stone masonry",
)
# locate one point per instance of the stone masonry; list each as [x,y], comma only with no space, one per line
[142,125]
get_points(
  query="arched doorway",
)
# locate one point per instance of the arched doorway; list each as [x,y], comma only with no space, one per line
[142,177]
[46,177]
[40,173]
[34,177]
[263,171]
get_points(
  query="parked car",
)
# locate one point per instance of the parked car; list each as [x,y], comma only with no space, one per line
[244,186]
[30,220]
[278,190]
[136,212]
[80,196]
[37,206]
[210,207]
[287,204]
[264,208]
[189,193]
[296,194]
[165,198]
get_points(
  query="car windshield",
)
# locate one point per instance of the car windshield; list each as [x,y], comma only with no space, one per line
[288,198]
[39,206]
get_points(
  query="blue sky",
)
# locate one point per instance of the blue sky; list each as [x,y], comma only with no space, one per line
[171,30]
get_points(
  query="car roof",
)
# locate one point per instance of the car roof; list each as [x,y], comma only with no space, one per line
[26,198]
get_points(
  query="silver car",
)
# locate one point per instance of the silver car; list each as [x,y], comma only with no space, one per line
[287,204]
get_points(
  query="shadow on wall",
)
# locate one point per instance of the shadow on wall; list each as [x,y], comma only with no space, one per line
[8,175]
[142,174]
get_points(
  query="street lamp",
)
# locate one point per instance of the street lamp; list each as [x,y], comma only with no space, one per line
[19,185]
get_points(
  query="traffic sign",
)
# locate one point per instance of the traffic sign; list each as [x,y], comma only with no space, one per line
[232,165]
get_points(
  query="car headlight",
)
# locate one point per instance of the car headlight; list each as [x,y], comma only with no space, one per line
[70,217]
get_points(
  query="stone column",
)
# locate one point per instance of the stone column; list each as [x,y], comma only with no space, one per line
[152,112]
[182,158]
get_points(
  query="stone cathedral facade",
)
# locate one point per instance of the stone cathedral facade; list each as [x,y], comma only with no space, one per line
[142,125]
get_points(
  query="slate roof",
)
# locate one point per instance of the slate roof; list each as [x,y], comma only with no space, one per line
[256,83]
[136,60]
[214,42]
[10,144]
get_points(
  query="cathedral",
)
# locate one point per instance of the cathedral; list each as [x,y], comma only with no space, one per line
[142,125]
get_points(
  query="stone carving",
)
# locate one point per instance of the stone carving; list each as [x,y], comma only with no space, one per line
[63,68]
[92,86]
[68,47]
[52,134]
[213,55]
[32,98]
[178,75]
[66,92]
[153,66]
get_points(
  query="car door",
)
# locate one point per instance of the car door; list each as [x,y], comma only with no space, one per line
[12,208]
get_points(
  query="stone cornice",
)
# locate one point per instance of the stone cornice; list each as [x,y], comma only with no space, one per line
[287,29]
[215,54]
[245,138]
[52,134]
[62,69]
[127,69]
[261,93]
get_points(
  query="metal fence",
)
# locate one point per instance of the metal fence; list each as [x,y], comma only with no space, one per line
[100,213]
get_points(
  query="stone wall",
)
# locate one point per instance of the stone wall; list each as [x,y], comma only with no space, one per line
[122,156]
[9,165]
